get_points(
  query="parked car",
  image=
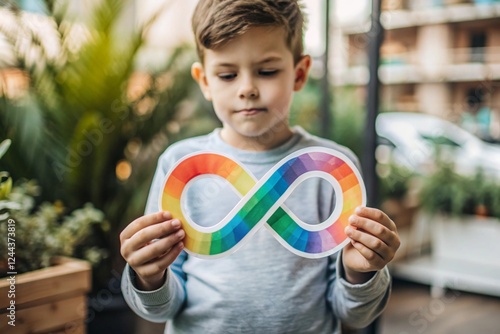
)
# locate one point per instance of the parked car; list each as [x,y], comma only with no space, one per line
[415,140]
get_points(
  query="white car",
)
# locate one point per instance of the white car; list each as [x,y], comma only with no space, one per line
[412,140]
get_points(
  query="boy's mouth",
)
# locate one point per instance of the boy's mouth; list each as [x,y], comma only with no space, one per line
[251,111]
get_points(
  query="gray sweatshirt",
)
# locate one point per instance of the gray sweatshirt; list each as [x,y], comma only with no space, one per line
[262,287]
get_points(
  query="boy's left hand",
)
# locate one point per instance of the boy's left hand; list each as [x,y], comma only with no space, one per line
[374,242]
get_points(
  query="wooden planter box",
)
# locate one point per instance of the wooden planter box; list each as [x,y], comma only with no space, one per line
[49,300]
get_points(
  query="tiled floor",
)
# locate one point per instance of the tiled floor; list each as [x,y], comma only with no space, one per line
[412,310]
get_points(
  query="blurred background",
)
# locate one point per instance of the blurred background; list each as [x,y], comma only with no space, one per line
[93,91]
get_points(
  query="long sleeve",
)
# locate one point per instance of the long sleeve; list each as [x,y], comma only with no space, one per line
[357,305]
[161,304]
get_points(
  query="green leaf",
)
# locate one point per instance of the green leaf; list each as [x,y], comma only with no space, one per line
[5,187]
[4,146]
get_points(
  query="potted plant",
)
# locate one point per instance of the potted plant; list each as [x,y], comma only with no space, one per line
[45,288]
[464,215]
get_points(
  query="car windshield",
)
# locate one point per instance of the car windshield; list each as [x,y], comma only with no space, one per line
[440,140]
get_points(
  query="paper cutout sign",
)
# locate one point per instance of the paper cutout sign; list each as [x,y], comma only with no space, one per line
[262,202]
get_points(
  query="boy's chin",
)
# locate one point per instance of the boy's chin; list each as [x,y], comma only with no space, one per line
[263,138]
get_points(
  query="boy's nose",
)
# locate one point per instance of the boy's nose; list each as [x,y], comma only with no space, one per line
[248,90]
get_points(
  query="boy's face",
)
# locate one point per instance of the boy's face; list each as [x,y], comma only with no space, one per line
[250,81]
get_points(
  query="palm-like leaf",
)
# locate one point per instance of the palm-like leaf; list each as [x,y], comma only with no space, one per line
[77,121]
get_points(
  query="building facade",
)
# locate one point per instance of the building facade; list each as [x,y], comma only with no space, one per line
[440,57]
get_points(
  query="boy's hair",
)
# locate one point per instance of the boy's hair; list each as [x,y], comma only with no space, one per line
[216,22]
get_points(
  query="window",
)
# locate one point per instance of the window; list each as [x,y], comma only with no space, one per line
[477,46]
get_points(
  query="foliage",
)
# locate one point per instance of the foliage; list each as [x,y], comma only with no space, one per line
[305,107]
[395,180]
[45,231]
[90,125]
[49,231]
[5,180]
[447,191]
[349,119]
[442,190]
[347,113]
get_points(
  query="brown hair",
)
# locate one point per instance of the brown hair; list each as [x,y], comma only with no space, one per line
[218,21]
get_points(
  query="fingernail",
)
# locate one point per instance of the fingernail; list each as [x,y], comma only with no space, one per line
[180,233]
[176,223]
[180,245]
[348,230]
[358,209]
[166,215]
[352,219]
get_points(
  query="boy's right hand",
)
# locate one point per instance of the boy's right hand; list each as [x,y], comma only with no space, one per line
[149,245]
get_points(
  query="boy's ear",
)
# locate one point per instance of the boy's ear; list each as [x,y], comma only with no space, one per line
[198,74]
[302,72]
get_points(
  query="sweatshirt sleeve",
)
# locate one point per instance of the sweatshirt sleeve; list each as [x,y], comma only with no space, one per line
[158,305]
[357,305]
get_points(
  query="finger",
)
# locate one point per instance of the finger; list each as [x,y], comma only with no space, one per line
[374,228]
[373,258]
[150,233]
[159,265]
[155,249]
[144,221]
[369,241]
[147,236]
[376,215]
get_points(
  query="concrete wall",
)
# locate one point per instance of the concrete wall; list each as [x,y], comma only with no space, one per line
[433,47]
[434,98]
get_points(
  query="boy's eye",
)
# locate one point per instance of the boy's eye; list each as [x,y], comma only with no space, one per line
[226,76]
[268,73]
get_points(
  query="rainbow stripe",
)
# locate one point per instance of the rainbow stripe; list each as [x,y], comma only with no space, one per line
[262,202]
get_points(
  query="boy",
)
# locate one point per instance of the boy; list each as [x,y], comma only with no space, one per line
[251,62]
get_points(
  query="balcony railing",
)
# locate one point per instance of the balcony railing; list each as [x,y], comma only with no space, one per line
[459,64]
[391,5]
[488,55]
[412,13]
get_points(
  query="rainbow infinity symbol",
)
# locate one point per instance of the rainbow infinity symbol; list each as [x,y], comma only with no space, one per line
[262,202]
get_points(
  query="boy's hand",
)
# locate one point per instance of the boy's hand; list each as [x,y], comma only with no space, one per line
[374,242]
[149,245]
